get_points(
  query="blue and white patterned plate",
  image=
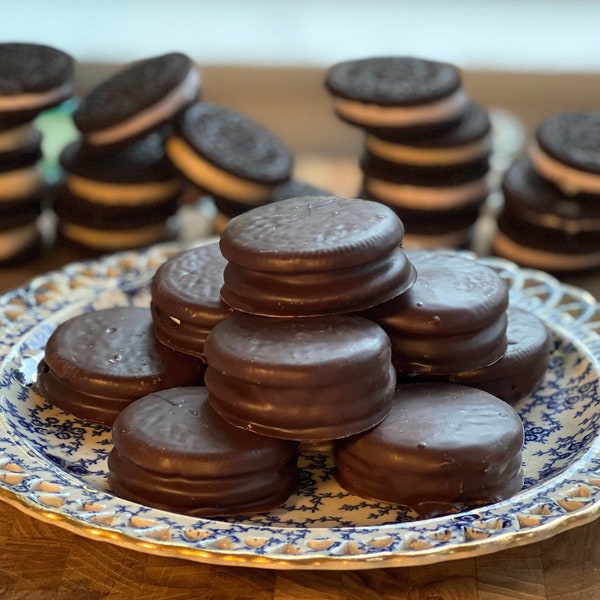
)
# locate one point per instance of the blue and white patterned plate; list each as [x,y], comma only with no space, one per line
[53,466]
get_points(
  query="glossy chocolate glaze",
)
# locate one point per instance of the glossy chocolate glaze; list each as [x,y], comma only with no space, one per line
[186,301]
[98,362]
[305,379]
[523,365]
[443,448]
[445,354]
[454,315]
[310,234]
[350,289]
[173,451]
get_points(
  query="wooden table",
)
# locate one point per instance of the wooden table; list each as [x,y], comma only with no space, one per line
[41,560]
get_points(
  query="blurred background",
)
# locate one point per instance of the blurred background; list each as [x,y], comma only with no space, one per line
[522,60]
[532,35]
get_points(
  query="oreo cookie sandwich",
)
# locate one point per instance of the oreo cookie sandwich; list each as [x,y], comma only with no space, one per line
[314,256]
[138,175]
[33,78]
[540,226]
[186,302]
[140,98]
[444,448]
[24,192]
[311,379]
[452,319]
[95,229]
[172,451]
[566,152]
[396,91]
[98,362]
[21,173]
[120,199]
[228,155]
[438,205]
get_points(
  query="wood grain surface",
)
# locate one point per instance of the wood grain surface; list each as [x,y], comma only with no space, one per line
[42,561]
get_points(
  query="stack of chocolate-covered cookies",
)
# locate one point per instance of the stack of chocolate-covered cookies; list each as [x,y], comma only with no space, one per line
[120,190]
[313,325]
[426,144]
[33,78]
[550,218]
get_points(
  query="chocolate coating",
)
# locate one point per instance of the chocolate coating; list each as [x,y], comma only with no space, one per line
[523,365]
[173,451]
[186,302]
[442,449]
[98,362]
[572,138]
[235,144]
[334,291]
[393,80]
[312,256]
[454,315]
[305,379]
[311,233]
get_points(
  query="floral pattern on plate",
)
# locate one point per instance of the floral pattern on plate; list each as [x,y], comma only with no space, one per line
[53,466]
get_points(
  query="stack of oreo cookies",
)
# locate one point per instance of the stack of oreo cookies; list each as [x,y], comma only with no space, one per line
[119,188]
[234,160]
[427,145]
[33,78]
[550,218]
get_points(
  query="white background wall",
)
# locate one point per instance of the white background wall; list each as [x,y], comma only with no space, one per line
[542,35]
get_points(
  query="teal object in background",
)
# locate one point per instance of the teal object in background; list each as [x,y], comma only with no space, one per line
[58,130]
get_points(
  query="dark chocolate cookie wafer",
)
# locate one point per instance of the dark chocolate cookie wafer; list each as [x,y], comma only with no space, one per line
[174,452]
[396,91]
[186,302]
[452,319]
[567,151]
[33,77]
[444,448]
[229,155]
[137,99]
[98,362]
[313,256]
[524,363]
[301,379]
